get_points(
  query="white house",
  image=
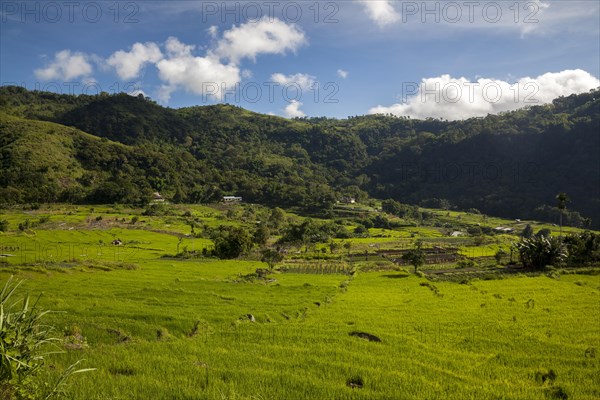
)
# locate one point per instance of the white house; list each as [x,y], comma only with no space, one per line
[157,198]
[231,199]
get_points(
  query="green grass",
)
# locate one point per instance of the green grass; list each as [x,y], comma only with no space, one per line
[483,340]
[179,329]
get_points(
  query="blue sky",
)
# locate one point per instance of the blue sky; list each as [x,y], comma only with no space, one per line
[442,59]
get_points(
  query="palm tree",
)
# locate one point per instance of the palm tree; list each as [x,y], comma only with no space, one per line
[562,199]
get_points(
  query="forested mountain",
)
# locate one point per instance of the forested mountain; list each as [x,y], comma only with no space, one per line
[119,148]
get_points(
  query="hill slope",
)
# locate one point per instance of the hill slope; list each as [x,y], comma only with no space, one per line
[124,147]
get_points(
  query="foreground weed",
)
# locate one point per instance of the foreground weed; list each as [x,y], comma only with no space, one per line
[24,343]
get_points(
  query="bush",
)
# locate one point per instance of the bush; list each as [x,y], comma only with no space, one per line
[583,248]
[361,231]
[474,230]
[232,242]
[539,251]
[557,392]
[355,381]
[544,232]
[499,255]
[25,225]
[544,375]
[3,225]
[465,263]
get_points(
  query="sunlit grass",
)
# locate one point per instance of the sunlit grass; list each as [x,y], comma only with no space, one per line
[181,329]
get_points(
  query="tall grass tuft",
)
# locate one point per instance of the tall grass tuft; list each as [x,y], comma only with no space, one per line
[25,343]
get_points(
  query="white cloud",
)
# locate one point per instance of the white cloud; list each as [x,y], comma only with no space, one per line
[458,98]
[199,75]
[536,6]
[342,74]
[179,68]
[164,93]
[304,81]
[441,19]
[177,49]
[213,31]
[293,109]
[382,12]
[267,36]
[129,63]
[66,66]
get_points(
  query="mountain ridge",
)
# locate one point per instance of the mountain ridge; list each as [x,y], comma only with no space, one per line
[511,164]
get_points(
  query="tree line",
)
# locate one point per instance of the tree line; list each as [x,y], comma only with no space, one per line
[119,148]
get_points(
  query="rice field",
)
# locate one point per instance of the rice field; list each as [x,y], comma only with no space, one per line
[156,327]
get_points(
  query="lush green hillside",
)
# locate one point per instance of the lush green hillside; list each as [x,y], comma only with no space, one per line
[510,165]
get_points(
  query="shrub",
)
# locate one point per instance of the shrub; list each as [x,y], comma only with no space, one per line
[360,230]
[539,251]
[23,226]
[474,230]
[583,248]
[465,263]
[544,232]
[355,381]
[157,210]
[499,255]
[232,242]
[544,375]
[557,392]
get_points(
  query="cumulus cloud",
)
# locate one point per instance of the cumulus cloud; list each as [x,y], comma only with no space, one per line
[304,81]
[213,31]
[293,109]
[342,74]
[66,66]
[129,63]
[175,48]
[199,75]
[267,36]
[164,93]
[211,74]
[381,12]
[459,98]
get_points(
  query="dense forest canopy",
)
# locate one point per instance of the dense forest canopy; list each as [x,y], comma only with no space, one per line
[119,148]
